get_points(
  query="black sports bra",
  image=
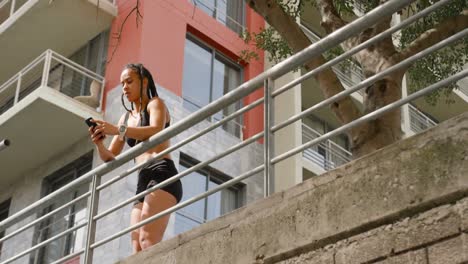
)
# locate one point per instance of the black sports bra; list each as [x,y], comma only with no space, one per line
[144,122]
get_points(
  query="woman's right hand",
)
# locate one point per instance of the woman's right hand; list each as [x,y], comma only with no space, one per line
[97,138]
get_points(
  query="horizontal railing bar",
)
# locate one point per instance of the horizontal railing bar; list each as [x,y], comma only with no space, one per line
[360,47]
[373,115]
[45,242]
[404,63]
[67,64]
[183,142]
[45,216]
[24,70]
[181,205]
[76,65]
[79,252]
[243,90]
[180,175]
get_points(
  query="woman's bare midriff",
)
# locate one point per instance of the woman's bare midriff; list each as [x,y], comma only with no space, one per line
[151,153]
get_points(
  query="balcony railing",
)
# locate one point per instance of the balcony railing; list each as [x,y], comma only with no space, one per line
[56,72]
[9,7]
[419,121]
[353,74]
[327,154]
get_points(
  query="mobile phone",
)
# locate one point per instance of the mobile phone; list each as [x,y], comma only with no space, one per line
[90,123]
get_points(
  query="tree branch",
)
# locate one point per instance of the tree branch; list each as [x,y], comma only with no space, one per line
[332,21]
[432,36]
[118,35]
[345,110]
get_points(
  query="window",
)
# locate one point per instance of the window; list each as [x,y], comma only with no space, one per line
[228,12]
[92,56]
[4,208]
[66,218]
[208,76]
[208,208]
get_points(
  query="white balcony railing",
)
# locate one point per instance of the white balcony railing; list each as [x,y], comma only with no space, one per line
[56,72]
[419,121]
[349,77]
[328,155]
[9,7]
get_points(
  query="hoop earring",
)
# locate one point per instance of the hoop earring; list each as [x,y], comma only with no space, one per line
[123,103]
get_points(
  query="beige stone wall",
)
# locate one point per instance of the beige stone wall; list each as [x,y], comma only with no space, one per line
[407,203]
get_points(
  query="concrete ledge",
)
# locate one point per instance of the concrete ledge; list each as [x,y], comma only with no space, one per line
[402,180]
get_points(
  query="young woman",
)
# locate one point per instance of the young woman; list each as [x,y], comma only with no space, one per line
[148,116]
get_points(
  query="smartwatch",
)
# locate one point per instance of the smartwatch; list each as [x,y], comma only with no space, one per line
[122,131]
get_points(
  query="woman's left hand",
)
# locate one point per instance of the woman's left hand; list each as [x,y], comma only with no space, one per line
[105,128]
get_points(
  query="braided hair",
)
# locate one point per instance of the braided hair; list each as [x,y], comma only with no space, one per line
[142,73]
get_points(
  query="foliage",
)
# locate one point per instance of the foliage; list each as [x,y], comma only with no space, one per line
[438,65]
[426,71]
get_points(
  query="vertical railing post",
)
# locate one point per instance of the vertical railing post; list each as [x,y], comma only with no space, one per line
[18,87]
[45,73]
[269,140]
[12,7]
[91,230]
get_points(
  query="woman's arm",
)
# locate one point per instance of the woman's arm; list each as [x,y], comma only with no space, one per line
[157,113]
[115,147]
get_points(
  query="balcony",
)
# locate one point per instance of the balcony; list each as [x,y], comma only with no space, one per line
[419,121]
[349,74]
[42,111]
[28,27]
[327,155]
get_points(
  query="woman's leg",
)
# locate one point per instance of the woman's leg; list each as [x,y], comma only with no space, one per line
[154,203]
[134,219]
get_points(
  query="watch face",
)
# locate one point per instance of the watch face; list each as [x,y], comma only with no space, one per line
[122,129]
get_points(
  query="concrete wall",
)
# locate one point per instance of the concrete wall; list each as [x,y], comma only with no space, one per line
[406,203]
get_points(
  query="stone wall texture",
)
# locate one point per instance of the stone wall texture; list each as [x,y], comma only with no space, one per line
[407,203]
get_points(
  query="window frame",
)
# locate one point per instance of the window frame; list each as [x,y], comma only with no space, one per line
[215,176]
[215,12]
[51,183]
[215,54]
[4,209]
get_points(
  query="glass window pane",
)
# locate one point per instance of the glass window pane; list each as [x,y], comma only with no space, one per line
[226,78]
[184,223]
[194,184]
[221,202]
[234,12]
[66,218]
[208,6]
[197,76]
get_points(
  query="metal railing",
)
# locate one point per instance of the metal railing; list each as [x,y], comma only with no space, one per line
[51,70]
[265,79]
[234,127]
[8,8]
[419,121]
[349,77]
[327,154]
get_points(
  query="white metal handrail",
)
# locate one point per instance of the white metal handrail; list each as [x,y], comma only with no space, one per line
[418,120]
[268,77]
[199,105]
[14,7]
[334,155]
[354,75]
[49,69]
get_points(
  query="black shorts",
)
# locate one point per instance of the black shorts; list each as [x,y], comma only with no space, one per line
[156,172]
